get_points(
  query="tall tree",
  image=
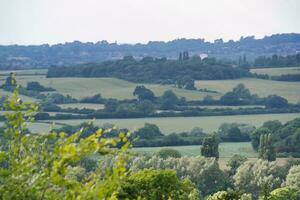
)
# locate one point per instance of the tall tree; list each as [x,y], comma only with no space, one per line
[266,148]
[210,146]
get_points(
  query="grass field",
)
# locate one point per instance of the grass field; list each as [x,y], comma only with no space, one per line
[120,89]
[277,71]
[288,90]
[178,124]
[226,149]
[108,87]
[82,105]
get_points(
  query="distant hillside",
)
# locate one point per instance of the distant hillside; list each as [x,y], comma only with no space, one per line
[149,70]
[18,56]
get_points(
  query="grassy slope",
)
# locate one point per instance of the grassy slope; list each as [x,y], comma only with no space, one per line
[277,71]
[108,87]
[289,90]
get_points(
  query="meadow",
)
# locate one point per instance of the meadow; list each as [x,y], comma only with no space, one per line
[180,124]
[121,89]
[261,87]
[277,71]
[226,149]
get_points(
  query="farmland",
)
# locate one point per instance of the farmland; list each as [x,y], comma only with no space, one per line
[226,149]
[178,124]
[277,71]
[263,88]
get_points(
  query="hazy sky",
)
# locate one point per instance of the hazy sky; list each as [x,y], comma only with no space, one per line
[131,21]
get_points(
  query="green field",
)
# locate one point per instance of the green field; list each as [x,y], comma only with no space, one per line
[82,105]
[107,87]
[179,124]
[226,150]
[263,88]
[277,71]
[121,89]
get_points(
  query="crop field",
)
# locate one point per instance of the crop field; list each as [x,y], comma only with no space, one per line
[179,124]
[82,105]
[263,88]
[277,71]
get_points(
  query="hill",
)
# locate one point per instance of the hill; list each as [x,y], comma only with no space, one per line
[19,56]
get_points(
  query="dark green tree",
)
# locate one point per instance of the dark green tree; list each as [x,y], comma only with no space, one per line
[275,101]
[210,146]
[266,148]
[143,93]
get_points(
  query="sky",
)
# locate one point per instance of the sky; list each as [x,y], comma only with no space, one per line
[139,21]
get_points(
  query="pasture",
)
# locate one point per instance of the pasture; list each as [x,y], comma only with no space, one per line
[226,149]
[263,88]
[277,71]
[180,124]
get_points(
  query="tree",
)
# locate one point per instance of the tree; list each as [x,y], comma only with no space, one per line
[146,107]
[186,82]
[235,162]
[266,149]
[255,136]
[210,146]
[168,100]
[149,131]
[284,193]
[157,184]
[273,126]
[143,93]
[43,166]
[10,81]
[230,99]
[168,152]
[229,195]
[293,178]
[274,101]
[241,91]
[205,173]
[252,177]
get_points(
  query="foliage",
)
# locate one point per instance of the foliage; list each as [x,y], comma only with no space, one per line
[153,71]
[284,193]
[155,184]
[210,146]
[235,132]
[266,149]
[229,195]
[97,98]
[168,152]
[203,172]
[44,166]
[148,131]
[252,177]
[235,162]
[274,101]
[34,85]
[255,136]
[293,177]
[143,93]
